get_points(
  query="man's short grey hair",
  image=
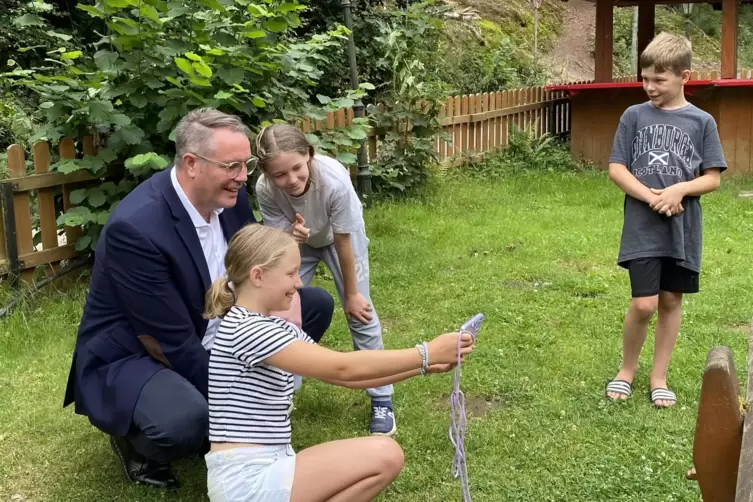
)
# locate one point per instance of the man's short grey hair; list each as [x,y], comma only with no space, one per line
[194,131]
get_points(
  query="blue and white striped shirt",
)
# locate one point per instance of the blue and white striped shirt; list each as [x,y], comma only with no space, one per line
[249,401]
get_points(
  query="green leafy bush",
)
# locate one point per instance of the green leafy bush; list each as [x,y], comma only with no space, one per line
[411,103]
[158,60]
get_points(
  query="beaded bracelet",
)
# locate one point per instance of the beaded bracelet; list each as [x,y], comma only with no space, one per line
[423,349]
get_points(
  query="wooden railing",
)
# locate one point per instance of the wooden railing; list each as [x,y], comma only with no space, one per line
[476,124]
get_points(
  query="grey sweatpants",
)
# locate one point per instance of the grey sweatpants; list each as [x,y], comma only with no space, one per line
[365,336]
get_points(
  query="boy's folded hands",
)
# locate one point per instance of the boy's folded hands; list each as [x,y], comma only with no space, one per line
[667,201]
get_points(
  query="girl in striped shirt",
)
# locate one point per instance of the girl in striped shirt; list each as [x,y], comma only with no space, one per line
[251,370]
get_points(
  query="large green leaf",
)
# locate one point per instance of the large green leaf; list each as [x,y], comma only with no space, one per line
[71,55]
[118,3]
[131,134]
[357,134]
[106,60]
[75,216]
[100,111]
[174,81]
[78,196]
[138,100]
[276,25]
[347,158]
[255,34]
[149,12]
[106,155]
[185,66]
[96,197]
[69,166]
[83,242]
[290,7]
[202,82]
[103,216]
[202,69]
[109,187]
[257,10]
[61,36]
[230,75]
[120,119]
[28,20]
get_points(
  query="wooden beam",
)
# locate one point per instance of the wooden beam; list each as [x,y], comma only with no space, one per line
[603,40]
[55,179]
[503,112]
[646,29]
[52,255]
[730,10]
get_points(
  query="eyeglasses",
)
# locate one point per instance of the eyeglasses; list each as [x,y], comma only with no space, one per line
[233,168]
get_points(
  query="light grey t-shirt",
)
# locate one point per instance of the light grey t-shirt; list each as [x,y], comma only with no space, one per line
[330,205]
[660,148]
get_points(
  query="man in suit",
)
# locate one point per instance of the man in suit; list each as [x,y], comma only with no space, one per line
[139,370]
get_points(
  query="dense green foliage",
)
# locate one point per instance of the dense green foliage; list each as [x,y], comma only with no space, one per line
[157,61]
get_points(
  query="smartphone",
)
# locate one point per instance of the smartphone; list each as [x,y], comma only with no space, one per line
[473,325]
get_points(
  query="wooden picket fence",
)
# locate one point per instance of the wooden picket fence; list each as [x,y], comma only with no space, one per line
[48,193]
[476,124]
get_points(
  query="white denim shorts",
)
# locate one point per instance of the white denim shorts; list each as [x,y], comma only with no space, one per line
[253,474]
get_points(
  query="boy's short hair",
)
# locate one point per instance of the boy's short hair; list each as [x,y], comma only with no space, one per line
[668,52]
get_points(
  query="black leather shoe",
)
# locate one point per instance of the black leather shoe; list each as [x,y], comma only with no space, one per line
[139,469]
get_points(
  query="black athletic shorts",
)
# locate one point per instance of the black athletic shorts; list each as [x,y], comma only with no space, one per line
[648,276]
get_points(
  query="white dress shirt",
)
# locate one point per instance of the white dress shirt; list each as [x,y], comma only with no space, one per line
[213,244]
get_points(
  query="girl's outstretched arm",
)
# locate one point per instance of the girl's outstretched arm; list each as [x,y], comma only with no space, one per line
[379,382]
[315,361]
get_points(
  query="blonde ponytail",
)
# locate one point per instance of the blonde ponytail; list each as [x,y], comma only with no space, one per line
[254,245]
[219,299]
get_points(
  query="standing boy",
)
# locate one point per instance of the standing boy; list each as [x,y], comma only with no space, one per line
[666,154]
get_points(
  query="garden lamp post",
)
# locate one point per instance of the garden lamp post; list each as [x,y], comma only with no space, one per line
[363,177]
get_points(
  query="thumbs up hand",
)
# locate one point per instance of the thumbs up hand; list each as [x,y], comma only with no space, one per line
[300,232]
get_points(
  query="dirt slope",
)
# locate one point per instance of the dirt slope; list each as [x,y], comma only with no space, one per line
[572,58]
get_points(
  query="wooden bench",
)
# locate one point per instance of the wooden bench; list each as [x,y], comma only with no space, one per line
[723,442]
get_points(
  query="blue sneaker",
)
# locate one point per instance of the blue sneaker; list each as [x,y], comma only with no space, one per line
[382,419]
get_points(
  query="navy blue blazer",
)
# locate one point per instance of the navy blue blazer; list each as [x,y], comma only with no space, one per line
[144,308]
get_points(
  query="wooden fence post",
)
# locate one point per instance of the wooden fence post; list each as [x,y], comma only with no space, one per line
[21,207]
[718,433]
[68,151]
[744,488]
[45,200]
[9,223]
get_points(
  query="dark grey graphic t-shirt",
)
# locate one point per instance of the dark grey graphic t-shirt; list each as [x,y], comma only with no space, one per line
[661,148]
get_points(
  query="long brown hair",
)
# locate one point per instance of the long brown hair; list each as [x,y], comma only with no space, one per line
[254,245]
[275,139]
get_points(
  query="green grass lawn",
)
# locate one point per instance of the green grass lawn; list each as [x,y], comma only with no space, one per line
[535,253]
